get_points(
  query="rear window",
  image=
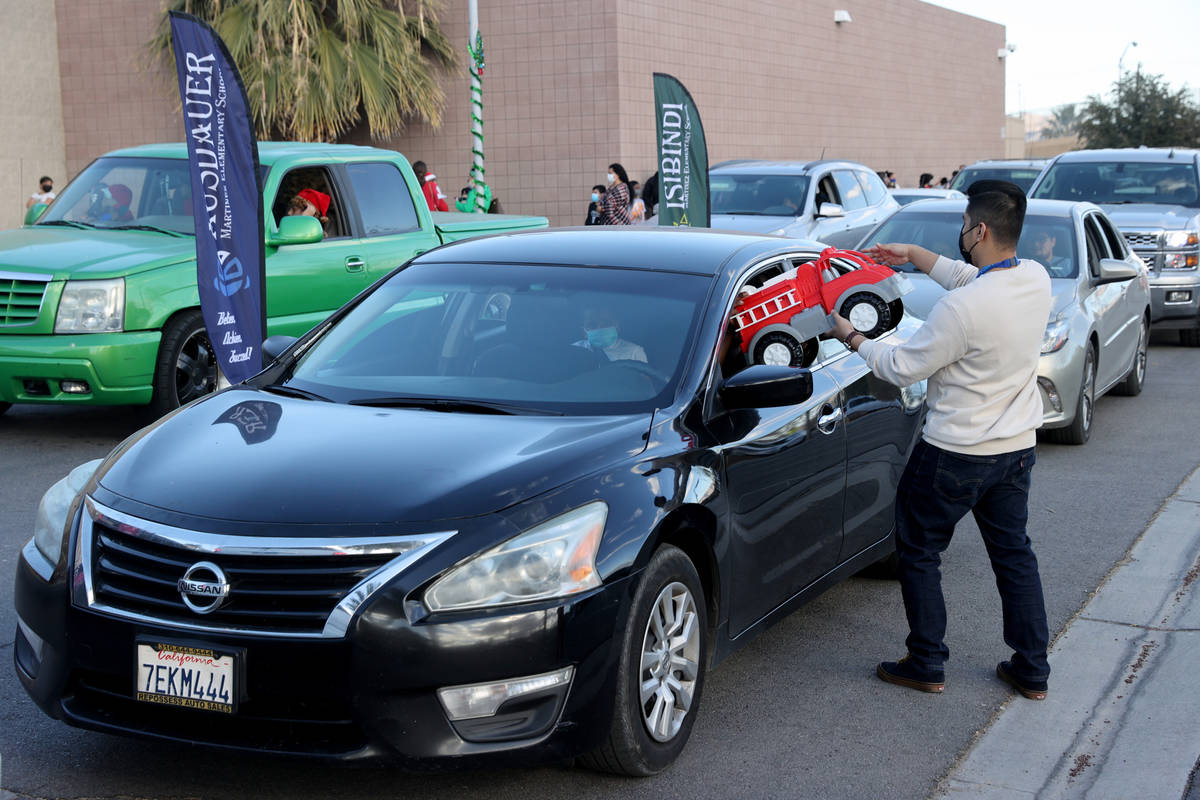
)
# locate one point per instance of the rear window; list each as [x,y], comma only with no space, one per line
[1021,176]
[1122,182]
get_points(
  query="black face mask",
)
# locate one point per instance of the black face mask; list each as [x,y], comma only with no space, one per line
[966,254]
[47,187]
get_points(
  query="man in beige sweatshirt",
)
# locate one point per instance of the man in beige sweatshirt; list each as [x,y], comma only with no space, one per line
[979,350]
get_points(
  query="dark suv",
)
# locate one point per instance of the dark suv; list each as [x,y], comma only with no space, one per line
[1153,196]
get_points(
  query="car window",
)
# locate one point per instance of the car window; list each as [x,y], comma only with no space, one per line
[1021,176]
[312,179]
[875,190]
[1096,246]
[853,197]
[117,191]
[1122,182]
[1050,241]
[762,195]
[827,191]
[385,204]
[571,340]
[1116,242]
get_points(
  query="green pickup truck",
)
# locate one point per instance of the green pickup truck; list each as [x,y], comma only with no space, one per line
[98,299]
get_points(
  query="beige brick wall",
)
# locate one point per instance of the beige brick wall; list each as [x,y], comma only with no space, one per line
[31,114]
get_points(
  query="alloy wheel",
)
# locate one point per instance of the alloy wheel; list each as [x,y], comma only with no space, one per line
[670,661]
[195,368]
[1089,390]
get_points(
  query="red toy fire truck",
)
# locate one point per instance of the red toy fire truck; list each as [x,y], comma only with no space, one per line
[779,323]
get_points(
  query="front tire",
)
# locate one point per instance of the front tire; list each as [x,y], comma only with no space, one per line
[1080,429]
[869,314]
[187,365]
[660,674]
[5,407]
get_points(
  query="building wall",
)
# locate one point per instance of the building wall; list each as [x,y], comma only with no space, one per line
[31,112]
[905,86]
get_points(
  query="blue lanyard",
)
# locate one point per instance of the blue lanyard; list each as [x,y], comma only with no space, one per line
[1007,263]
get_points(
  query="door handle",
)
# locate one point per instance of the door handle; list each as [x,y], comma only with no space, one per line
[828,420]
[355,264]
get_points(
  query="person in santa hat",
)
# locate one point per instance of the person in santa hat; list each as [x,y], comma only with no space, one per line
[310,203]
[433,193]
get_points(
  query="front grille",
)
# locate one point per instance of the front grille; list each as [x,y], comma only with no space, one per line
[279,593]
[277,586]
[20,298]
[1142,240]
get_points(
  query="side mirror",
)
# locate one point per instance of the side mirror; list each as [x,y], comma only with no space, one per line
[274,346]
[297,230]
[830,210]
[35,213]
[1114,270]
[763,386]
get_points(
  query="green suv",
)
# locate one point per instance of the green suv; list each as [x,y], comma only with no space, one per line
[98,298]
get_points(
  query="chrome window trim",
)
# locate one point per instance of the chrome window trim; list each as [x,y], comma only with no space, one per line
[408,550]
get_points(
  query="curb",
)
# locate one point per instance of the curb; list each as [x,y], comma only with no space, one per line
[1119,720]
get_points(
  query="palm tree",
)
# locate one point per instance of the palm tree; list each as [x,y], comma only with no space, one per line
[1064,121]
[315,68]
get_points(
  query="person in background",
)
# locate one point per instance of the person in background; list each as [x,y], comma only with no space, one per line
[891,180]
[310,203]
[433,193]
[650,195]
[926,180]
[979,349]
[637,207]
[944,182]
[466,199]
[596,207]
[616,199]
[603,335]
[46,195]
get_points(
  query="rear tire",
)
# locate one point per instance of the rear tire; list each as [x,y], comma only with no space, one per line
[660,674]
[869,314]
[186,367]
[783,349]
[1136,379]
[1080,429]
[5,407]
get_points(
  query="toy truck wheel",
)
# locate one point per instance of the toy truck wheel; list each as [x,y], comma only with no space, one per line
[868,313]
[784,350]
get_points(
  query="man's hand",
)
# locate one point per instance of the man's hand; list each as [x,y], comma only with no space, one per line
[841,326]
[890,254]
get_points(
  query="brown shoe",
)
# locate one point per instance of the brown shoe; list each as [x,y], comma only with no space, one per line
[1032,690]
[905,673]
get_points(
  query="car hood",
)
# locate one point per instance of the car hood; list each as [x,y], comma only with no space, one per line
[63,253]
[249,455]
[926,291]
[752,223]
[1143,216]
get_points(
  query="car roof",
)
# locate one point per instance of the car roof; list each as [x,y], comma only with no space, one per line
[1041,208]
[755,166]
[1016,163]
[268,152]
[1181,154]
[698,251]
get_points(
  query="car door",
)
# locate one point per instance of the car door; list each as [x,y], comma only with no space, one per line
[785,473]
[1104,307]
[307,281]
[387,217]
[827,229]
[1131,305]
[880,204]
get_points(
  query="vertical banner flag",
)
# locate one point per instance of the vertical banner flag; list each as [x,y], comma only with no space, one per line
[227,196]
[682,156]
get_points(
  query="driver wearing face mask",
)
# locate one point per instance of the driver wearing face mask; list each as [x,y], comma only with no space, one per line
[604,336]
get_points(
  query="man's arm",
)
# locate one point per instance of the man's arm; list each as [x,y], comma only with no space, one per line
[940,341]
[948,273]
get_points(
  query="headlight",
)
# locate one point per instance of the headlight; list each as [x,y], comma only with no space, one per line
[51,522]
[91,307]
[1182,239]
[554,559]
[1055,336]
[1181,261]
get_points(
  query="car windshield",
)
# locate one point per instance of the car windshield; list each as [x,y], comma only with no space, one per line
[761,195]
[1047,240]
[118,191]
[568,340]
[1122,182]
[1021,176]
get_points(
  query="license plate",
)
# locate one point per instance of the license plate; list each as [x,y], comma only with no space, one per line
[185,676]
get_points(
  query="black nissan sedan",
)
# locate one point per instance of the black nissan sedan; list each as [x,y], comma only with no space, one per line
[505,507]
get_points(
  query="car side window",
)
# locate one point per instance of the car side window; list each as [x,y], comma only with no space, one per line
[853,197]
[1116,242]
[827,192]
[318,180]
[874,188]
[1096,246]
[384,201]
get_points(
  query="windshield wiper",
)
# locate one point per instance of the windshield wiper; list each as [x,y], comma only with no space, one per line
[70,223]
[154,228]
[292,391]
[448,405]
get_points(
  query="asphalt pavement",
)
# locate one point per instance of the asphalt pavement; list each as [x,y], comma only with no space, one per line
[798,713]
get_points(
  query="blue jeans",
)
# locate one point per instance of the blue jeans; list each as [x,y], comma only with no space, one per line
[937,490]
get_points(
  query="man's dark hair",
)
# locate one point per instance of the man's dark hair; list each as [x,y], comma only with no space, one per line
[45,178]
[1001,206]
[599,188]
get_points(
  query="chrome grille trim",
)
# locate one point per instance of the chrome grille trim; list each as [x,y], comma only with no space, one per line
[21,298]
[1143,240]
[404,551]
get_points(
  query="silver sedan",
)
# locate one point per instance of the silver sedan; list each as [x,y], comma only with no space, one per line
[1099,324]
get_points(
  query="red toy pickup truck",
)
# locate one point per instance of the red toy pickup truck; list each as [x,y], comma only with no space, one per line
[779,323]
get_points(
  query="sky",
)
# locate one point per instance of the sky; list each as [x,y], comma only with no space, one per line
[1067,50]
